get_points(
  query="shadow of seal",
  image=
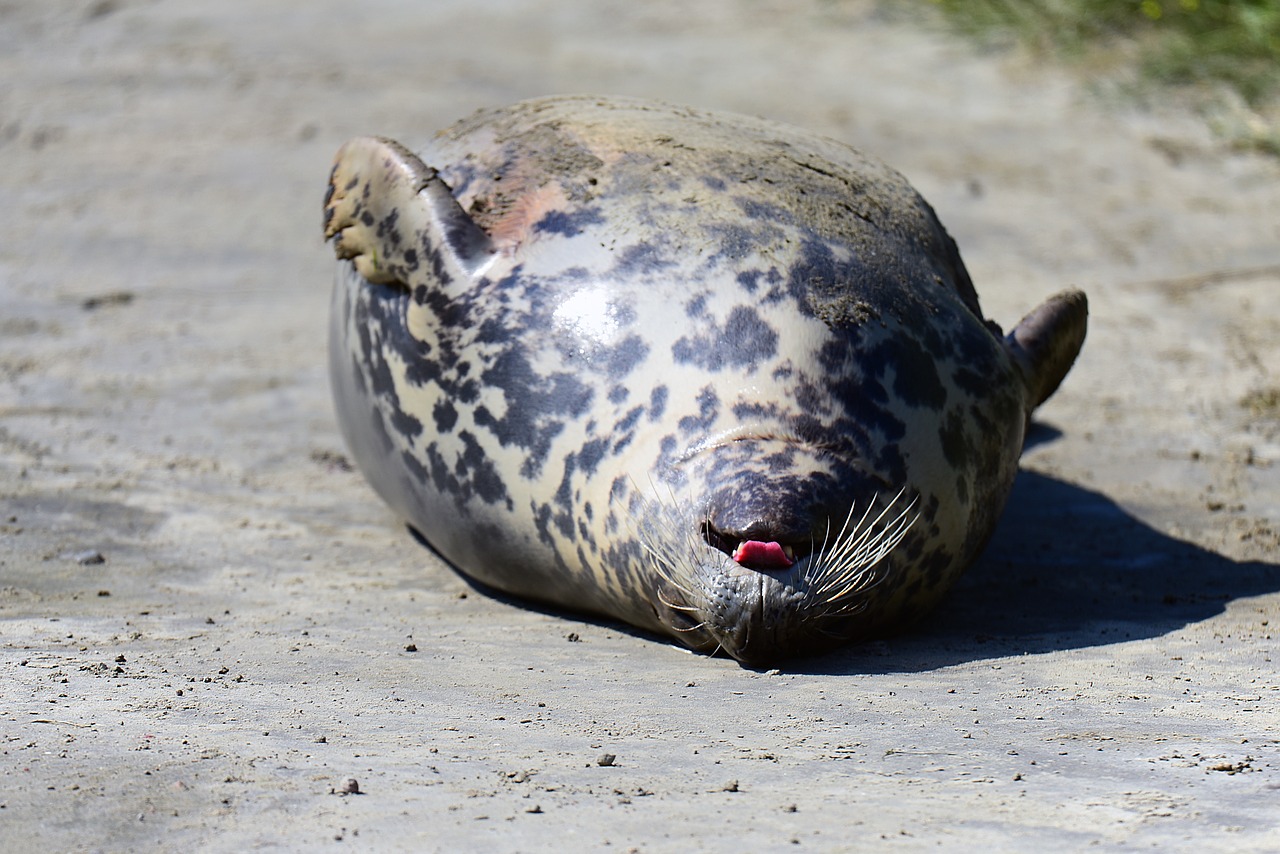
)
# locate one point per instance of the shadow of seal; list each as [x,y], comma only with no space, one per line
[713,376]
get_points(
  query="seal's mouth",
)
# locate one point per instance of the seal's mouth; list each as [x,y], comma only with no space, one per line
[756,552]
[769,572]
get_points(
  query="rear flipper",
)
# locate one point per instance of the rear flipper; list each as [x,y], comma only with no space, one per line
[397,221]
[1046,342]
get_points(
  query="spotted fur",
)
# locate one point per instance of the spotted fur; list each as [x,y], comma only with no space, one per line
[588,346]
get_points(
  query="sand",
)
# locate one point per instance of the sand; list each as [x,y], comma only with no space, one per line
[209,624]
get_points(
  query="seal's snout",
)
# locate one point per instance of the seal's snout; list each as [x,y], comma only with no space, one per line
[765,599]
[766,520]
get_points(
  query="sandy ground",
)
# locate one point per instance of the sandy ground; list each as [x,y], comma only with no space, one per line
[208,623]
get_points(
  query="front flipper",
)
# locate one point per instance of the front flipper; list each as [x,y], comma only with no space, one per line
[1046,342]
[397,221]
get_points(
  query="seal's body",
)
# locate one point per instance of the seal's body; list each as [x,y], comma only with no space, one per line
[707,374]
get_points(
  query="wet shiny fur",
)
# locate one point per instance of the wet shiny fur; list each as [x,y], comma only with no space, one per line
[592,348]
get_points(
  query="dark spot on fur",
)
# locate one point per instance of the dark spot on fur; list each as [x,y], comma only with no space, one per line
[743,342]
[543,404]
[916,379]
[475,466]
[445,415]
[708,410]
[746,410]
[745,325]
[734,242]
[542,522]
[415,468]
[569,223]
[643,258]
[758,210]
[406,424]
[443,479]
[812,398]
[564,492]
[628,421]
[657,402]
[387,227]
[955,446]
[591,454]
[971,382]
[625,355]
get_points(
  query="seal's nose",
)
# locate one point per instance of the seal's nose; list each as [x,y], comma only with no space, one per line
[768,522]
[766,509]
[765,514]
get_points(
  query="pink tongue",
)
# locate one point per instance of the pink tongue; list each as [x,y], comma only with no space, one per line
[757,555]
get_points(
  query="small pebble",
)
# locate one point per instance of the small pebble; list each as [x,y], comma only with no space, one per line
[606,759]
[115,297]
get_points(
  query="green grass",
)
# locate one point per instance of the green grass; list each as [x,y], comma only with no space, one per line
[1263,403]
[1211,47]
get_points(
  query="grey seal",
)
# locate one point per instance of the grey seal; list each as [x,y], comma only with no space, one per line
[716,377]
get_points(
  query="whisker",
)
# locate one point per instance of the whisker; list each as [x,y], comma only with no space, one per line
[869,539]
[856,545]
[674,607]
[671,547]
[849,566]
[844,529]
[874,552]
[818,559]
[840,636]
[848,609]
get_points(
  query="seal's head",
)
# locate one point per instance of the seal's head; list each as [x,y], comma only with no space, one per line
[788,535]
